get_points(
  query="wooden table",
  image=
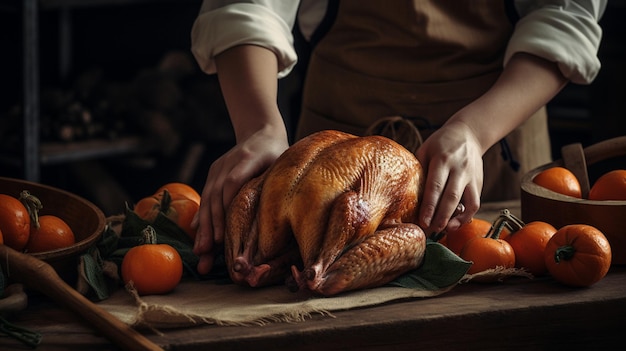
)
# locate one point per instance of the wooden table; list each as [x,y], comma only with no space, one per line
[516,314]
[519,313]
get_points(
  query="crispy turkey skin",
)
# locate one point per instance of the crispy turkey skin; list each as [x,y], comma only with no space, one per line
[334,213]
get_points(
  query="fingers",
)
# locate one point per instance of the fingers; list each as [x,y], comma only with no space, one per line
[461,217]
[205,264]
[204,218]
[434,186]
[442,194]
[451,197]
[452,160]
[218,192]
[226,177]
[210,217]
[447,216]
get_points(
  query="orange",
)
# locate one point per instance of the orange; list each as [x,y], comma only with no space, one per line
[529,244]
[14,222]
[153,268]
[488,253]
[560,180]
[179,208]
[578,255]
[183,189]
[610,186]
[455,240]
[1,238]
[53,233]
[477,227]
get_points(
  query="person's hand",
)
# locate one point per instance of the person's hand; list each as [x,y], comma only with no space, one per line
[452,155]
[452,159]
[226,176]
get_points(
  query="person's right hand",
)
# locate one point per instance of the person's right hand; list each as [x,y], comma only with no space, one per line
[249,158]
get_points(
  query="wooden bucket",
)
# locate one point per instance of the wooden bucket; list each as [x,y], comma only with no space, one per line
[541,204]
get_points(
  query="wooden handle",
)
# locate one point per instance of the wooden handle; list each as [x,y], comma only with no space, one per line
[14,299]
[606,149]
[574,160]
[39,275]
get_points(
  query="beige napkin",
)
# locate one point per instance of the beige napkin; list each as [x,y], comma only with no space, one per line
[209,302]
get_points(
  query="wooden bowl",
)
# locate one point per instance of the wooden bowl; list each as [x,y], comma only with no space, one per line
[85,219]
[541,204]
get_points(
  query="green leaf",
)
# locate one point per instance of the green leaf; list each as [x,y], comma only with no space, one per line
[93,273]
[441,269]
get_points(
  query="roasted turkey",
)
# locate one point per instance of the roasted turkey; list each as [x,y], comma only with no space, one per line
[334,213]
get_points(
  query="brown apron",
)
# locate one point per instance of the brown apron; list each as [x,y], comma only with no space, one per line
[423,60]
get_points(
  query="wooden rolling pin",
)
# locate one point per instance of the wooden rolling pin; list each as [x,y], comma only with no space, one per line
[39,275]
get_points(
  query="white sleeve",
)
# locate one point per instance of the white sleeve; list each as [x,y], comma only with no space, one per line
[225,24]
[562,31]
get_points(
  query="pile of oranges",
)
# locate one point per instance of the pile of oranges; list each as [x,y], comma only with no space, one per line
[153,268]
[22,228]
[575,255]
[610,186]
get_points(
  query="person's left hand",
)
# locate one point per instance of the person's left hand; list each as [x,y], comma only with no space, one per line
[452,160]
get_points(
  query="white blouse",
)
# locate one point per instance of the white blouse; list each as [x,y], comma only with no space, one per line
[562,31]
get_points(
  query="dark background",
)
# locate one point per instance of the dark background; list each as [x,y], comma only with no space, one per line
[116,48]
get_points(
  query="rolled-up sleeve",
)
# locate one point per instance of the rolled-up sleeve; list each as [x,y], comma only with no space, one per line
[561,31]
[219,28]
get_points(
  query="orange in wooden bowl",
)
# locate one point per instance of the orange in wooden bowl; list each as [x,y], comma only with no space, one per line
[540,204]
[84,218]
[560,180]
[610,186]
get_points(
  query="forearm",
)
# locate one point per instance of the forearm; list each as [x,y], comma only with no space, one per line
[526,84]
[248,79]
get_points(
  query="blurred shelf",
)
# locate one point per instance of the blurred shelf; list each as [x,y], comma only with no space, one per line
[35,152]
[51,153]
[60,152]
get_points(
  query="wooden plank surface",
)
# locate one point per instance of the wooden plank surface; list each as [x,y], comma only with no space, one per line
[519,313]
[516,314]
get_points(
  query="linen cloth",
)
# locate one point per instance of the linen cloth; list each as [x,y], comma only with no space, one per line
[217,301]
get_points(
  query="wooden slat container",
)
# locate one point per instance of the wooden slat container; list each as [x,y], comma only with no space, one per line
[538,203]
[84,218]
